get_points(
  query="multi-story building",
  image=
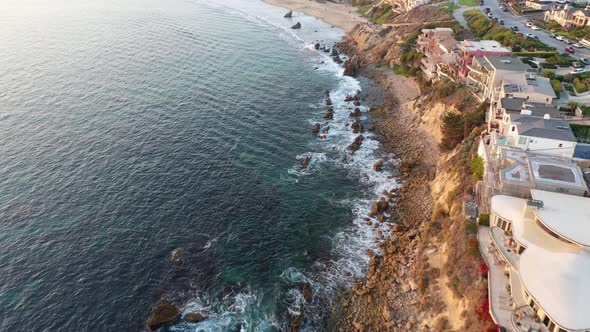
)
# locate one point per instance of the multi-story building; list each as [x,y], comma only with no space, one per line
[487,73]
[568,16]
[470,49]
[544,244]
[539,4]
[439,48]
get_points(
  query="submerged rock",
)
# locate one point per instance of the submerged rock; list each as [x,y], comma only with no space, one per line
[296,26]
[295,323]
[328,101]
[195,317]
[305,162]
[325,130]
[176,255]
[162,313]
[329,116]
[315,128]
[334,52]
[307,292]
[289,14]
[357,103]
[348,98]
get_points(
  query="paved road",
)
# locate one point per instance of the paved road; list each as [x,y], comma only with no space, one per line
[520,21]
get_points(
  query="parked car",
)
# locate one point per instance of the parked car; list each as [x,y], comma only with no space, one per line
[578,64]
[560,38]
[496,19]
[514,28]
[530,35]
[487,10]
[481,2]
[553,35]
[567,41]
[534,27]
[585,61]
[577,71]
[529,24]
[504,8]
[501,22]
[490,15]
[577,45]
[570,49]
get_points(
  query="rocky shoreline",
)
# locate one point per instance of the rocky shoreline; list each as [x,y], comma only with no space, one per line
[388,298]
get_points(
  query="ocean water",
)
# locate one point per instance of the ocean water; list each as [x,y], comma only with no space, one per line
[150,150]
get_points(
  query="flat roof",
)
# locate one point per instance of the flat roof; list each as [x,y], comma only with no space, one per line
[484,46]
[507,63]
[566,215]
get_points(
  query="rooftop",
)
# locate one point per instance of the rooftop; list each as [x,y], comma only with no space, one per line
[516,105]
[544,128]
[567,215]
[507,63]
[529,83]
[484,46]
[554,272]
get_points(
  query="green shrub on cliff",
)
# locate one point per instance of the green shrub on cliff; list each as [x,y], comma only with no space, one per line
[477,167]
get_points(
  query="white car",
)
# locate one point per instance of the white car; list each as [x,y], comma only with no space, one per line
[577,71]
[559,38]
[529,24]
[577,45]
[534,27]
[530,35]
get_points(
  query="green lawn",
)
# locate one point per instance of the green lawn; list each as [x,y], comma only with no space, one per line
[450,5]
[586,110]
[469,2]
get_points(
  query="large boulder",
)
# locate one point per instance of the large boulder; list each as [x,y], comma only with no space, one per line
[356,112]
[162,313]
[317,46]
[378,165]
[328,101]
[356,144]
[357,127]
[296,26]
[295,323]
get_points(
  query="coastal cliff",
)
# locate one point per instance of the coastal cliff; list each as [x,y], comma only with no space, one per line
[428,276]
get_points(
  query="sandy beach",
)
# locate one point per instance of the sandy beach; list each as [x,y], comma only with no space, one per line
[342,15]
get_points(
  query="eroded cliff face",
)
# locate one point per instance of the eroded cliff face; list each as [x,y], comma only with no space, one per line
[427,276]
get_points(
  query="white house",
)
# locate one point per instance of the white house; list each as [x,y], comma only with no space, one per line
[545,244]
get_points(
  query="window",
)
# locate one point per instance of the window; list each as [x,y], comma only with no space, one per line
[513,128]
[521,140]
[546,320]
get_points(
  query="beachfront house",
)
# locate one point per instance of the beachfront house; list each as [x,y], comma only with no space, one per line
[487,73]
[439,48]
[543,245]
[470,49]
[539,5]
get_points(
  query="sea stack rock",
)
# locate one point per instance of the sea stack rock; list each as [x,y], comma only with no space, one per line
[162,313]
[378,165]
[296,26]
[317,46]
[289,14]
[356,144]
[328,101]
[351,66]
[334,52]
